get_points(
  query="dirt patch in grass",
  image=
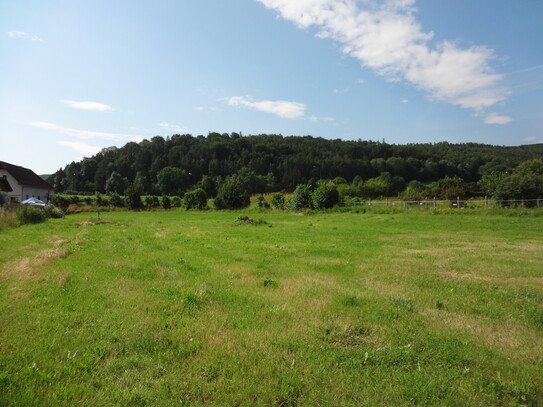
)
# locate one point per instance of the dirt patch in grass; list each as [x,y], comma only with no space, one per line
[29,267]
[515,341]
[63,278]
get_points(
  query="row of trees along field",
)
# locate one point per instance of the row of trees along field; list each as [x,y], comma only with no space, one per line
[268,163]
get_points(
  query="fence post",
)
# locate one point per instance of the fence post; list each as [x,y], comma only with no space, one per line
[457,202]
[435,202]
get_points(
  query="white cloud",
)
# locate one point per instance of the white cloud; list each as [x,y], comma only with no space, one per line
[529,138]
[495,118]
[316,119]
[387,38]
[404,101]
[82,148]
[172,127]
[99,107]
[82,134]
[281,108]
[340,91]
[24,35]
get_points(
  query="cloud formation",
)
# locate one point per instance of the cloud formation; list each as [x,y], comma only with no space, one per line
[281,108]
[386,37]
[84,134]
[99,107]
[24,35]
[172,127]
[495,118]
[82,148]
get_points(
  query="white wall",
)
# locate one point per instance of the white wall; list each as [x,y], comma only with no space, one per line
[22,192]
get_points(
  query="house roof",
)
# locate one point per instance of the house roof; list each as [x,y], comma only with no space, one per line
[4,185]
[25,176]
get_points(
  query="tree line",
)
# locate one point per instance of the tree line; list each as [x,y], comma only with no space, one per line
[175,165]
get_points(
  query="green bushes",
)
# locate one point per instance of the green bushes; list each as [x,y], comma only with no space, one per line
[196,199]
[278,200]
[301,199]
[325,196]
[30,214]
[232,194]
[51,211]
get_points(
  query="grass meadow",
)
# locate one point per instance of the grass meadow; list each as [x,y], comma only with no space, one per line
[182,308]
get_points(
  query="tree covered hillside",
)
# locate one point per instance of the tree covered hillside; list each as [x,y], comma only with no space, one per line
[267,163]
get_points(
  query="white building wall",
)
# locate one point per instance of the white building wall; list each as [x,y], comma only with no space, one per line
[22,192]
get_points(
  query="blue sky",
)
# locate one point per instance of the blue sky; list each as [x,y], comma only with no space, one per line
[77,76]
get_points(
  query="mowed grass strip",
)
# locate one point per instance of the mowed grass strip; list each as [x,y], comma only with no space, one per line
[197,308]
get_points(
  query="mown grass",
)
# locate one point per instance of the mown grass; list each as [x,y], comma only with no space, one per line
[197,308]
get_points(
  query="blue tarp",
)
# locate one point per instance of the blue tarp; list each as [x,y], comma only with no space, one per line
[33,201]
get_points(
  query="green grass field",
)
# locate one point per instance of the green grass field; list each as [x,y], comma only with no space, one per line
[185,308]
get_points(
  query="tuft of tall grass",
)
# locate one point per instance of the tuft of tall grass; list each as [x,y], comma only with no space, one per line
[8,218]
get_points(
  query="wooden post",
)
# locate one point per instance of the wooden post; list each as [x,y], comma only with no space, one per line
[457,202]
[435,204]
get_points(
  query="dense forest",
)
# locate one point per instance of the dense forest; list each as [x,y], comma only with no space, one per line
[268,163]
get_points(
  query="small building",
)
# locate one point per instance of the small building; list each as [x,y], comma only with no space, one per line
[20,183]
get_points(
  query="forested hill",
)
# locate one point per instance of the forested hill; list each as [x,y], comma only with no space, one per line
[274,163]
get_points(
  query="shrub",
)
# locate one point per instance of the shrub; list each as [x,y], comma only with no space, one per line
[325,196]
[133,198]
[278,200]
[196,199]
[29,214]
[2,199]
[301,199]
[166,202]
[261,202]
[99,199]
[51,211]
[151,202]
[116,200]
[176,202]
[61,201]
[232,194]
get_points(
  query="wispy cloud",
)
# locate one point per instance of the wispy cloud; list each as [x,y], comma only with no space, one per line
[24,35]
[210,108]
[495,118]
[84,134]
[386,37]
[99,107]
[314,118]
[82,148]
[172,127]
[529,69]
[281,108]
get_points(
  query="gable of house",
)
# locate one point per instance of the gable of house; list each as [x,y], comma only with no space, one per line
[25,176]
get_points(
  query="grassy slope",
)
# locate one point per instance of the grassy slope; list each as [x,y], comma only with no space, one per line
[186,308]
